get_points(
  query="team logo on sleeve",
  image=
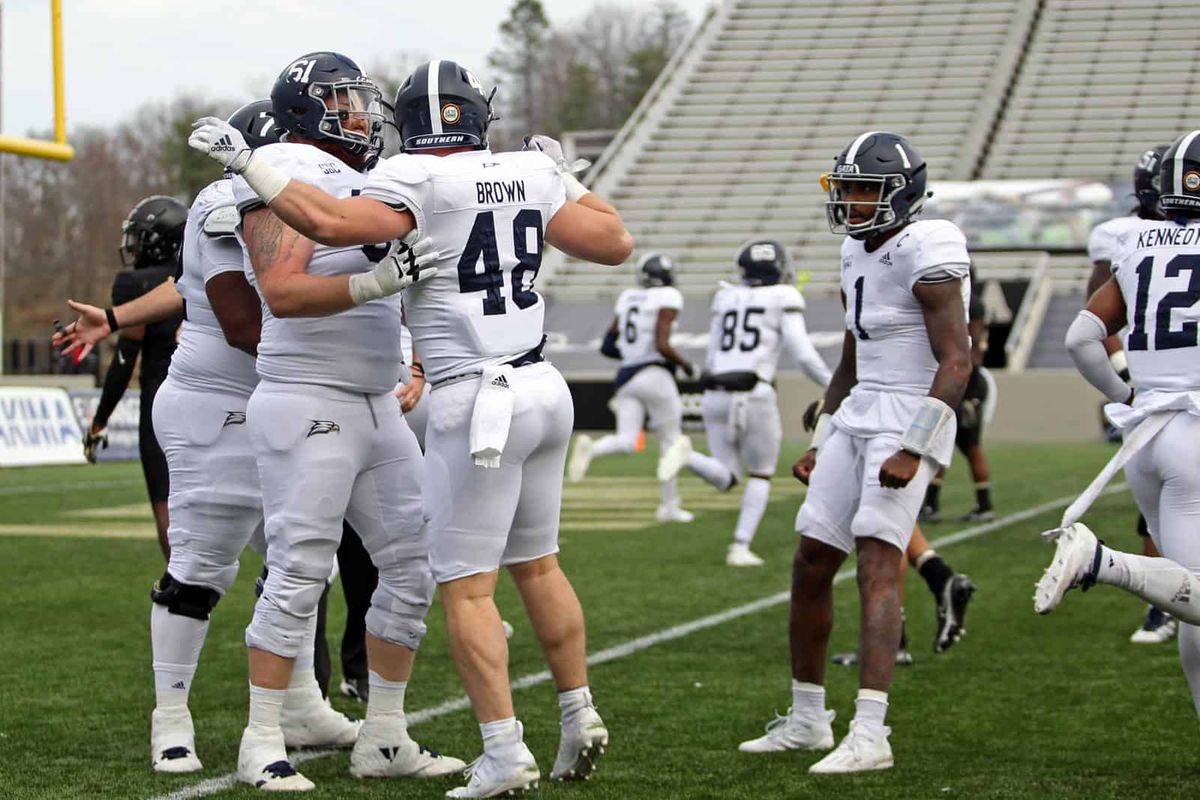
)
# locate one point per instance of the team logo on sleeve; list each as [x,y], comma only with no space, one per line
[320,426]
[451,114]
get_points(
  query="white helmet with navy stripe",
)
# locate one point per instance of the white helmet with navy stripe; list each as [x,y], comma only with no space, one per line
[441,104]
[891,164]
[1179,177]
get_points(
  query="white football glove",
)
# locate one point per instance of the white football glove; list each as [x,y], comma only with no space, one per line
[552,148]
[221,142]
[409,261]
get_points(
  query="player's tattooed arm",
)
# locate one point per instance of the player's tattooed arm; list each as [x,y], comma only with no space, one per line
[280,256]
[340,222]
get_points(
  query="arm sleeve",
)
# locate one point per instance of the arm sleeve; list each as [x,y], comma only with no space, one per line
[795,339]
[116,380]
[941,254]
[401,182]
[1085,343]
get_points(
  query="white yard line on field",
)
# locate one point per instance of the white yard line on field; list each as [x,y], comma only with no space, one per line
[625,649]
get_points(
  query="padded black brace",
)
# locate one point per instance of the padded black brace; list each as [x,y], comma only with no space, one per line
[183,599]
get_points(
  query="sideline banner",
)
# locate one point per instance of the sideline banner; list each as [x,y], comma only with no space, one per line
[38,426]
[122,425]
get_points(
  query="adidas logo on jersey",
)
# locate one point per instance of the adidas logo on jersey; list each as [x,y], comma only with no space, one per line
[886,259]
[320,426]
[222,145]
[500,381]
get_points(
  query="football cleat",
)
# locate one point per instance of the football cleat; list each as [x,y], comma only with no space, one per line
[674,458]
[173,741]
[929,513]
[793,733]
[385,750]
[583,742]
[673,514]
[952,612]
[978,514]
[263,763]
[581,458]
[355,688]
[309,721]
[491,777]
[904,657]
[1157,629]
[861,751]
[739,555]
[1076,557]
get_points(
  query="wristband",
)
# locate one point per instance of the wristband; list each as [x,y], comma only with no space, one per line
[364,286]
[111,317]
[820,431]
[575,189]
[925,428]
[266,181]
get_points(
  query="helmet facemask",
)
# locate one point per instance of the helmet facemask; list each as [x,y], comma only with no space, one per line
[884,216]
[353,115]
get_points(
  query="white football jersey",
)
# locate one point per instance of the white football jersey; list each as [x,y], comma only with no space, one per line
[357,350]
[746,332]
[1157,267]
[204,360]
[1102,243]
[637,322]
[487,214]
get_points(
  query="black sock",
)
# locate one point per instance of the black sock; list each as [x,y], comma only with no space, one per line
[983,496]
[903,631]
[936,573]
[932,495]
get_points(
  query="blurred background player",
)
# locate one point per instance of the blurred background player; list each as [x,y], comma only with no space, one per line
[645,390]
[151,237]
[972,414]
[752,324]
[1154,265]
[1157,626]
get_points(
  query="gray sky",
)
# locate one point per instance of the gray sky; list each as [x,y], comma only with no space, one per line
[120,53]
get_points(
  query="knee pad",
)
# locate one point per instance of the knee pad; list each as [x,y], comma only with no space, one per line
[288,601]
[400,603]
[184,599]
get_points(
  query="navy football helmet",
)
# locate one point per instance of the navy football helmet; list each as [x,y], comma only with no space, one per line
[1179,178]
[152,233]
[320,94]
[656,269]
[1146,182]
[256,122]
[763,262]
[893,166]
[441,104]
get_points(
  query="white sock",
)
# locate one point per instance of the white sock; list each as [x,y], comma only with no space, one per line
[1159,581]
[870,709]
[754,505]
[573,701]
[670,493]
[808,700]
[1189,656]
[611,445]
[386,697]
[500,735]
[711,470]
[265,707]
[175,641]
[305,657]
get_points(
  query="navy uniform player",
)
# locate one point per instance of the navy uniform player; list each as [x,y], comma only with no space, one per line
[644,389]
[889,422]
[1155,272]
[753,323]
[500,415]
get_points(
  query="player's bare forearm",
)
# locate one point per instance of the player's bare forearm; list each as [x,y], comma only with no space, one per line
[946,326]
[154,306]
[845,375]
[662,338]
[339,222]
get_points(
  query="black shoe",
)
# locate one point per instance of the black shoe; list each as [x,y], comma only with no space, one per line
[952,612]
[978,514]
[929,513]
[1157,629]
[356,688]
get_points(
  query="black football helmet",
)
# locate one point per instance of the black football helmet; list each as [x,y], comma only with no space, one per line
[441,104]
[318,94]
[1146,183]
[152,233]
[656,269]
[256,122]
[1179,178]
[889,162]
[763,262]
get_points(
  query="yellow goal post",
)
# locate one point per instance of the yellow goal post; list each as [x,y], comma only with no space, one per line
[58,149]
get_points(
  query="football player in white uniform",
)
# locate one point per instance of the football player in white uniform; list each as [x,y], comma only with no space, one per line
[1154,288]
[500,416]
[1157,627]
[215,500]
[752,324]
[888,424]
[640,335]
[329,437]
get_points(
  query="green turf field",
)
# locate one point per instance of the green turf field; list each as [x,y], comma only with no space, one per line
[1024,706]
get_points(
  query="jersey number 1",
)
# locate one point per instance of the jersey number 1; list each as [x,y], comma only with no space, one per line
[482,244]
